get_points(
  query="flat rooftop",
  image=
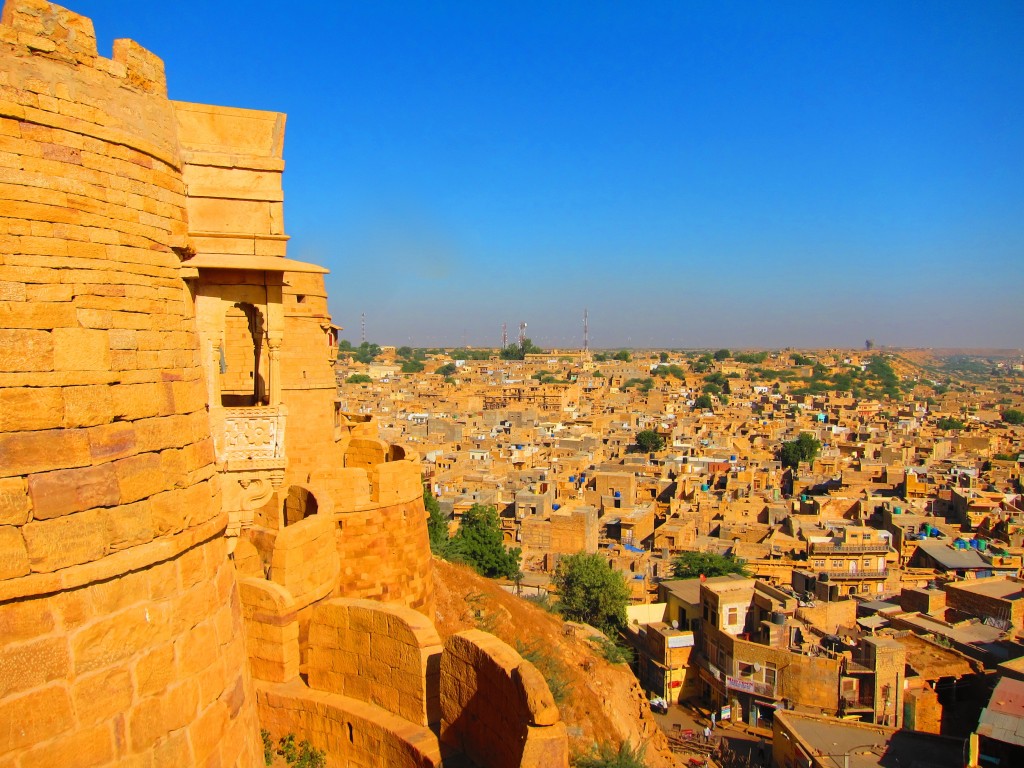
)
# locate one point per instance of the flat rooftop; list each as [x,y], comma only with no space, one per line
[868,746]
[992,587]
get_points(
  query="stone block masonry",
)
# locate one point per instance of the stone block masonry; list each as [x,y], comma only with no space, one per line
[120,625]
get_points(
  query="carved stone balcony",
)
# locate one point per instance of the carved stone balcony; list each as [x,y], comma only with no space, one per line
[825,549]
[250,448]
[253,438]
[859,574]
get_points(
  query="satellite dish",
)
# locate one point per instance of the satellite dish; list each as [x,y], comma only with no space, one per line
[675,624]
[757,667]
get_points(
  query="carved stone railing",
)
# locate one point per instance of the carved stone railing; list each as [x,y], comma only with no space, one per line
[250,448]
[825,549]
[253,437]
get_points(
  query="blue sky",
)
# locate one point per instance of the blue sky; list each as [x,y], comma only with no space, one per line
[693,173]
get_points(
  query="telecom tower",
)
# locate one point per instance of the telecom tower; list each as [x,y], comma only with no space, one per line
[522,335]
[586,332]
[504,335]
[362,327]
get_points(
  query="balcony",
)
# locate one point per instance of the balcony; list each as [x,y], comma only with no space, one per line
[846,575]
[252,438]
[849,549]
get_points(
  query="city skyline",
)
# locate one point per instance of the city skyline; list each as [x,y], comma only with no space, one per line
[695,175]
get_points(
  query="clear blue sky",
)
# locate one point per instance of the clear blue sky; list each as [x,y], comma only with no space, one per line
[693,173]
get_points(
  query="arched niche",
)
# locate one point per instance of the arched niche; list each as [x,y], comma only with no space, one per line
[243,366]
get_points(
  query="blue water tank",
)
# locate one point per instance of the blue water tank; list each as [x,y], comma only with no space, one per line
[618,494]
[556,506]
[974,543]
[705,487]
[572,478]
[732,458]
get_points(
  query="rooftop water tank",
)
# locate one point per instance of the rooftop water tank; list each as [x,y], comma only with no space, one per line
[778,617]
[556,507]
[618,494]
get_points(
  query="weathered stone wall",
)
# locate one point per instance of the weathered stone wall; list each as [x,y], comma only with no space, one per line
[385,555]
[384,655]
[352,733]
[120,629]
[496,707]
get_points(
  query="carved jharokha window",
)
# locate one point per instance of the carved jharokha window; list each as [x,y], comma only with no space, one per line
[243,366]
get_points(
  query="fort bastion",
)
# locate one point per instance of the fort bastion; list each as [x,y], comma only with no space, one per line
[195,541]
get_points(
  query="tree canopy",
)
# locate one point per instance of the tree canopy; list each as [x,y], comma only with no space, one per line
[722,354]
[690,565]
[437,524]
[948,422]
[1013,416]
[364,353]
[648,440]
[447,369]
[358,378]
[805,448]
[704,403]
[591,592]
[519,351]
[478,543]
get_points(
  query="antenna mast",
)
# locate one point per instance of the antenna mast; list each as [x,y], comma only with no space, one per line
[504,335]
[522,335]
[586,332]
[362,327]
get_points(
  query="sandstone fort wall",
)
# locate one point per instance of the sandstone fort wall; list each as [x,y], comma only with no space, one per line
[121,638]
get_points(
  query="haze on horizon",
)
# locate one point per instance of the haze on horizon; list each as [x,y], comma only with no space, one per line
[697,174]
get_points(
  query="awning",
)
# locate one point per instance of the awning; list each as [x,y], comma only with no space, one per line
[250,262]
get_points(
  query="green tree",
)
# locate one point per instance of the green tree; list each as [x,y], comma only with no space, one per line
[805,448]
[663,357]
[437,524]
[722,354]
[365,352]
[412,366]
[648,441]
[358,378]
[590,591]
[948,422]
[478,543]
[622,355]
[519,351]
[447,369]
[1013,416]
[690,565]
[703,403]
[404,352]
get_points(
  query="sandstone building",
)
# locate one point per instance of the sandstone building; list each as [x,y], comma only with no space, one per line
[195,540]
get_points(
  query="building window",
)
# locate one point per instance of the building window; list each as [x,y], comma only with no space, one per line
[837,564]
[743,669]
[867,563]
[770,674]
[819,563]
[734,616]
